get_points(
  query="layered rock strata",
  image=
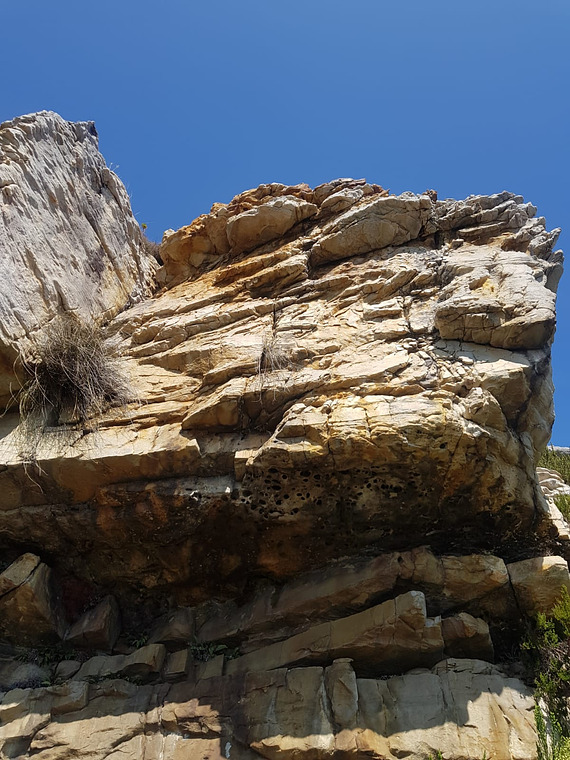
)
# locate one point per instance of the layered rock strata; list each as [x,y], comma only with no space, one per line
[460,708]
[323,511]
[375,375]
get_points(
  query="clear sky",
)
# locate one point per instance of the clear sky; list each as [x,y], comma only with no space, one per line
[196,101]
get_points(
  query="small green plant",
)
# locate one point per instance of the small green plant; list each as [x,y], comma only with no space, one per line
[203,652]
[30,683]
[547,652]
[562,501]
[48,656]
[561,613]
[96,679]
[42,656]
[136,680]
[552,744]
[137,640]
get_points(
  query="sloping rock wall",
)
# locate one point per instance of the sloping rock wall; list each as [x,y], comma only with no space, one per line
[68,238]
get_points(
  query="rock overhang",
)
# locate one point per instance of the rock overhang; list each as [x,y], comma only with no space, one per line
[341,395]
[332,371]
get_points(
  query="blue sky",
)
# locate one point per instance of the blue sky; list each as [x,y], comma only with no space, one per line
[197,101]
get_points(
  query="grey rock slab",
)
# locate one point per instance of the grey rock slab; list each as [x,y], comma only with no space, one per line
[68,237]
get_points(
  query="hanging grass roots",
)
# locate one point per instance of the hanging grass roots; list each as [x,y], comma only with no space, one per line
[73,375]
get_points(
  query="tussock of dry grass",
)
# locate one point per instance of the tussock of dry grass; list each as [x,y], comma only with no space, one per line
[273,357]
[73,377]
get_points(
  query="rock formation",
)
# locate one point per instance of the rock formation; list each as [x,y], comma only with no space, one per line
[67,234]
[321,523]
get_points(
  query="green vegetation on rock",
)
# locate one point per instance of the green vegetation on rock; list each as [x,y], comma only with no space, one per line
[547,652]
[556,460]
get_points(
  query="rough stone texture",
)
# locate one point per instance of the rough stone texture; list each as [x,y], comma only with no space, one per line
[29,609]
[538,582]
[98,628]
[466,636]
[462,708]
[552,482]
[177,665]
[67,234]
[18,572]
[342,397]
[297,409]
[175,628]
[391,637]
[475,582]
[552,485]
[66,669]
[145,663]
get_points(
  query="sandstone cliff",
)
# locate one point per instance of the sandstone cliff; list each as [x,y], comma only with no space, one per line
[322,511]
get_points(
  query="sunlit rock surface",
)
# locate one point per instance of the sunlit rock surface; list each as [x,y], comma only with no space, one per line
[68,238]
[320,523]
[301,400]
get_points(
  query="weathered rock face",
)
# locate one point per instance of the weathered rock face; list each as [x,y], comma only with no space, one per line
[374,373]
[67,234]
[461,708]
[29,608]
[326,494]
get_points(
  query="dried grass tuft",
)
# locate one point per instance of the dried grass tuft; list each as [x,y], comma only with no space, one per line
[72,376]
[273,357]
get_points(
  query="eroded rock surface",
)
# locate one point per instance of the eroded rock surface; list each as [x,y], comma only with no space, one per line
[368,373]
[68,238]
[461,708]
[29,607]
[325,493]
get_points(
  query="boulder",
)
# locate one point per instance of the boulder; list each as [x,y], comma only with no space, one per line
[479,582]
[538,582]
[18,572]
[177,665]
[144,664]
[98,628]
[467,636]
[266,222]
[329,380]
[30,612]
[297,406]
[174,629]
[391,637]
[552,482]
[375,224]
[66,669]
